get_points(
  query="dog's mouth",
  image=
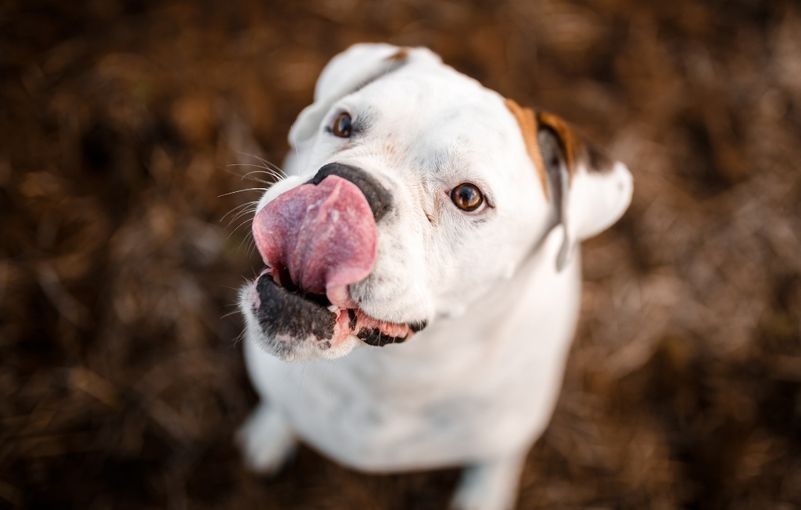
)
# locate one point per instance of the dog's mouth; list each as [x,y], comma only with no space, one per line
[288,314]
[317,240]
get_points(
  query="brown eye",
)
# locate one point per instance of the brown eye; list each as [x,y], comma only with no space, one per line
[342,125]
[467,197]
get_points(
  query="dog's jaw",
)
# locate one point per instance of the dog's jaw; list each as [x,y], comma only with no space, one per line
[292,327]
[326,317]
[283,346]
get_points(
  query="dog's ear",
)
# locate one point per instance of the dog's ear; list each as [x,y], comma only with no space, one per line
[587,191]
[346,73]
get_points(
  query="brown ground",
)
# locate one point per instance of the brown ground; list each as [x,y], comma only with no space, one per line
[121,380]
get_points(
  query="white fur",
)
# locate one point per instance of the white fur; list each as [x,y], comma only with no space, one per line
[477,387]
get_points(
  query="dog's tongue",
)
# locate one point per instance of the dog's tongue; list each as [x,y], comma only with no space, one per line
[323,235]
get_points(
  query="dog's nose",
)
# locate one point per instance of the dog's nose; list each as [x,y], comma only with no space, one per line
[377,195]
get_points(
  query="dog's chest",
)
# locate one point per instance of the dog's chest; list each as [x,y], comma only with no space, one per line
[380,418]
[461,391]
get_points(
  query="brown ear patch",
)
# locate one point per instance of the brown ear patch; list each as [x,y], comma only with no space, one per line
[401,54]
[567,140]
[574,148]
[527,121]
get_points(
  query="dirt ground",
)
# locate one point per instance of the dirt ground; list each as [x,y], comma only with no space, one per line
[121,380]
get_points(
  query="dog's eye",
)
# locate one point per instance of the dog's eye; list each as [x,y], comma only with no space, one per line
[342,126]
[467,197]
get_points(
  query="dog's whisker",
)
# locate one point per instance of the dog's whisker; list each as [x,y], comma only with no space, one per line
[229,314]
[237,232]
[259,180]
[241,214]
[260,169]
[249,176]
[241,247]
[241,191]
[254,156]
[244,214]
[248,245]
[232,232]
[247,208]
[265,162]
[238,208]
[251,246]
[234,220]
[240,337]
[245,205]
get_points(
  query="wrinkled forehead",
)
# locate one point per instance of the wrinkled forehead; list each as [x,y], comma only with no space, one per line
[435,107]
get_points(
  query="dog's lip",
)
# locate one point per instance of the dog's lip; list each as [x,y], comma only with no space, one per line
[350,319]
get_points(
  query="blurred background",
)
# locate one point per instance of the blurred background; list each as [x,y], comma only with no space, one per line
[121,379]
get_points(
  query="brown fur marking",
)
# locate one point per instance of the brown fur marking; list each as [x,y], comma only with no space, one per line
[401,54]
[570,144]
[527,121]
[574,148]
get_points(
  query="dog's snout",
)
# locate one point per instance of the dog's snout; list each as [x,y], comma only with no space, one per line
[379,199]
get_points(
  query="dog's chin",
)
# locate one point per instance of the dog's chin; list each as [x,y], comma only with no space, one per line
[293,325]
[296,349]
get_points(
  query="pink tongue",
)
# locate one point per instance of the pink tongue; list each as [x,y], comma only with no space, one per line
[324,235]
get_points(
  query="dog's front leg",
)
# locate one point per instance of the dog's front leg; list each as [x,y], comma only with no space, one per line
[491,485]
[266,439]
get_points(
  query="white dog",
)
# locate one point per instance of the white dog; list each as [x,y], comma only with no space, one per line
[425,211]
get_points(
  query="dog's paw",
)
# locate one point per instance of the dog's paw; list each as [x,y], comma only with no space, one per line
[266,440]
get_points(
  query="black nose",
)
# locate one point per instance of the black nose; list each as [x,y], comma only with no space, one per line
[377,195]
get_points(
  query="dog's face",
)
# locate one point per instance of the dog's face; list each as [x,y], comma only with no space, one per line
[413,190]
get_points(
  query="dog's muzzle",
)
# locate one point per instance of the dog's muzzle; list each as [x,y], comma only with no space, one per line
[316,240]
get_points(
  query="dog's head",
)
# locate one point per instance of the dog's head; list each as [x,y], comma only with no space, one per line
[412,191]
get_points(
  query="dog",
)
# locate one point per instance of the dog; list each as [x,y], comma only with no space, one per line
[422,278]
